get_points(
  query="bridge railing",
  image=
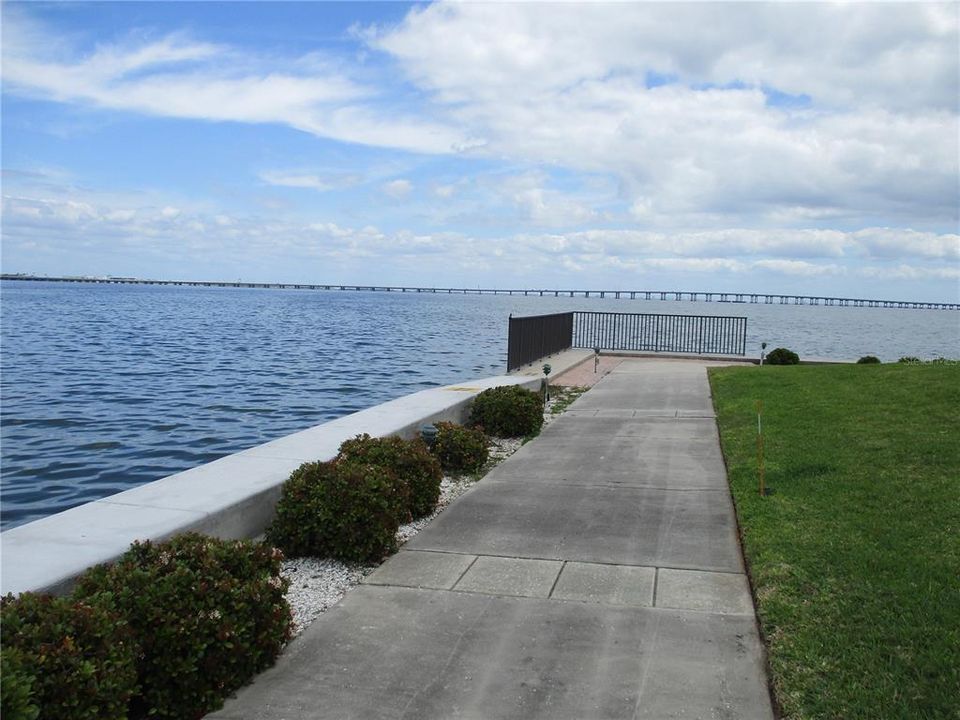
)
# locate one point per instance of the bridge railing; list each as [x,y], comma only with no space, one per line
[531,338]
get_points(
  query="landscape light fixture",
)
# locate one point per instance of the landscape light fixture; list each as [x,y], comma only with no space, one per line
[546,381]
[429,434]
[763,347]
[596,358]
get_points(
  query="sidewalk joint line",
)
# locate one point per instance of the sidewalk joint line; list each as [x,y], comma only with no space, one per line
[656,577]
[557,579]
[700,569]
[566,561]
[606,486]
[437,552]
[475,558]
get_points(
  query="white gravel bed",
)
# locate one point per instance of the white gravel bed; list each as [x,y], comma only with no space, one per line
[317,584]
[502,448]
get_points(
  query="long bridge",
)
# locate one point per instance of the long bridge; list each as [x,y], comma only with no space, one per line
[688,295]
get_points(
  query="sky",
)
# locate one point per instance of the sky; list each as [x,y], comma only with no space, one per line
[806,148]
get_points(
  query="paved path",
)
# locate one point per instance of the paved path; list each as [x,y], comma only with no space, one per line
[588,373]
[594,574]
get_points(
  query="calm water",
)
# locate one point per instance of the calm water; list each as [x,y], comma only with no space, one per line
[108,387]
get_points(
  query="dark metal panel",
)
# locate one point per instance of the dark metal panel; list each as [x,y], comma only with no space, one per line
[531,338]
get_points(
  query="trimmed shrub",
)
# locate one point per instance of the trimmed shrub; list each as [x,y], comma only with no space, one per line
[76,658]
[910,360]
[208,615]
[343,510]
[782,356]
[16,687]
[869,360]
[461,449]
[410,460]
[508,411]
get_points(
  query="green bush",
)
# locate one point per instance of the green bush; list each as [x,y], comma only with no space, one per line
[76,658]
[461,449]
[17,701]
[410,460]
[208,615]
[910,360]
[782,356]
[508,411]
[16,687]
[343,510]
[869,360]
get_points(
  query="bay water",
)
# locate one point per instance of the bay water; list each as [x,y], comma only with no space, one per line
[105,387]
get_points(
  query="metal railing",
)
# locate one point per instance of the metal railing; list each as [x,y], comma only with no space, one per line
[536,336]
[698,334]
[531,338]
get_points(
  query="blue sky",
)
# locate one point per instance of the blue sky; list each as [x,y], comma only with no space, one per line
[763,147]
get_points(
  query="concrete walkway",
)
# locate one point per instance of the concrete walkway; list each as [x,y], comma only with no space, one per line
[594,574]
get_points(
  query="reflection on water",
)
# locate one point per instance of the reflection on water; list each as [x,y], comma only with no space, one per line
[106,387]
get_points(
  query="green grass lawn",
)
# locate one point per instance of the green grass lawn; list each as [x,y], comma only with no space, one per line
[855,557]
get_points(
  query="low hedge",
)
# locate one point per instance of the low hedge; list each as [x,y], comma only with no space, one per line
[460,449]
[508,411]
[410,460]
[782,356]
[347,511]
[64,658]
[869,360]
[207,614]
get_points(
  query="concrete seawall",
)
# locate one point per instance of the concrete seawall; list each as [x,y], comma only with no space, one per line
[233,497]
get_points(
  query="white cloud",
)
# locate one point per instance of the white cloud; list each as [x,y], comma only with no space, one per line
[733,242]
[120,215]
[567,84]
[397,189]
[540,205]
[892,55]
[890,242]
[799,267]
[177,76]
[201,235]
[306,180]
[295,180]
[700,265]
[912,272]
